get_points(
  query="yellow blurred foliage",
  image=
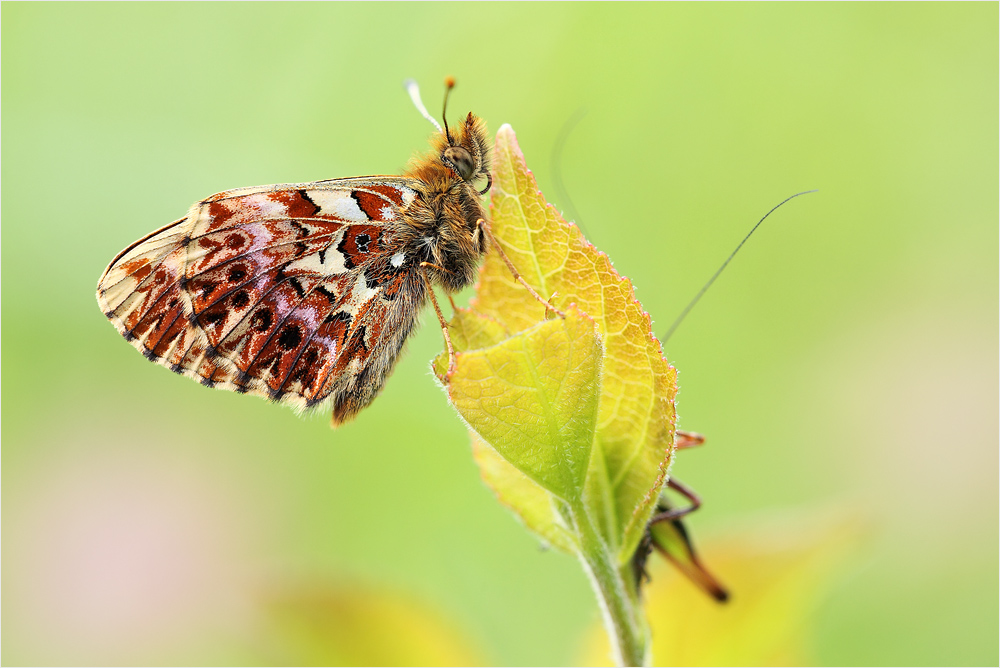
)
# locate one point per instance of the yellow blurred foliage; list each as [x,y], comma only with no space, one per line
[326,625]
[777,574]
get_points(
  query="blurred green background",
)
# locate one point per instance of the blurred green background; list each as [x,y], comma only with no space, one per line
[846,362]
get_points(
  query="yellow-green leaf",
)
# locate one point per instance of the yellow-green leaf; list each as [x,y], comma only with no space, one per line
[636,419]
[533,398]
[578,411]
[536,507]
[469,331]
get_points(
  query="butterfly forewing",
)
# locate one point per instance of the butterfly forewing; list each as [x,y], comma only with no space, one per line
[299,293]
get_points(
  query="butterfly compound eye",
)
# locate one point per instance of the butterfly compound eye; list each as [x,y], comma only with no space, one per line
[460,160]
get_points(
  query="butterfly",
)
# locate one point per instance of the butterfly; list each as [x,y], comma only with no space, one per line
[305,293]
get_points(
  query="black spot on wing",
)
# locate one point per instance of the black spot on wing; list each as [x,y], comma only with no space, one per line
[237,273]
[261,320]
[240,300]
[339,316]
[290,337]
[305,196]
[301,229]
[359,339]
[330,297]
[362,241]
[211,317]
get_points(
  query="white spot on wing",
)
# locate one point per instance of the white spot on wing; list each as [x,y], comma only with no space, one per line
[265,207]
[388,213]
[406,194]
[338,203]
[397,260]
[360,295]
[331,264]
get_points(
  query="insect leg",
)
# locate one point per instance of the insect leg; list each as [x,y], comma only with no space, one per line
[510,265]
[688,439]
[676,513]
[440,316]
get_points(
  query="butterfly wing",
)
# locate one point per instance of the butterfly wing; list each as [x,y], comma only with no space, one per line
[299,293]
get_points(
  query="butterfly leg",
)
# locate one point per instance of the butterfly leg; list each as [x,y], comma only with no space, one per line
[440,316]
[677,513]
[688,439]
[510,265]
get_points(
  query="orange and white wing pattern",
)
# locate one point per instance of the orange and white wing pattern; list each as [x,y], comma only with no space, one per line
[300,293]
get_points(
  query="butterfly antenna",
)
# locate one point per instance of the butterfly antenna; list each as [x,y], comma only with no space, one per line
[449,83]
[414,90]
[687,309]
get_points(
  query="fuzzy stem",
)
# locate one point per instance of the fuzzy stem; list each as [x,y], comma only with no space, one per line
[620,607]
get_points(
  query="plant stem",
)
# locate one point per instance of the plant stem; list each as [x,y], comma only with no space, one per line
[616,594]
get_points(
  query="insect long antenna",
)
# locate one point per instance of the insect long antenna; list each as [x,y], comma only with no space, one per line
[449,83]
[687,309]
[414,90]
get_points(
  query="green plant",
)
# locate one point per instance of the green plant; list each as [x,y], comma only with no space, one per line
[573,418]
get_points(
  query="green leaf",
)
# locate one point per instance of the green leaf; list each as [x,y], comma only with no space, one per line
[533,398]
[577,413]
[469,331]
[636,419]
[537,508]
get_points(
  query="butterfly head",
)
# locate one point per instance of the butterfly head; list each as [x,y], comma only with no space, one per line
[442,229]
[467,152]
[464,150]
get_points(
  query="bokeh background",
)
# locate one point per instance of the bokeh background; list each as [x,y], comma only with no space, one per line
[845,367]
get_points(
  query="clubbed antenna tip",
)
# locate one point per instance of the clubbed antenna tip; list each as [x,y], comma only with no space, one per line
[414,90]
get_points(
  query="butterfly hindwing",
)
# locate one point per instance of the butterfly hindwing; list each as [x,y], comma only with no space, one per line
[298,293]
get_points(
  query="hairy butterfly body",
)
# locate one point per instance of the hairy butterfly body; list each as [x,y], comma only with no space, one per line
[305,293]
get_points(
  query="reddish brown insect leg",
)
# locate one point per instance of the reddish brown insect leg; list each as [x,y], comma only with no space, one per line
[440,317]
[688,439]
[510,265]
[676,513]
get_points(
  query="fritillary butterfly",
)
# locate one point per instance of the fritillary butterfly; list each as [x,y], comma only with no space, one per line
[305,293]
